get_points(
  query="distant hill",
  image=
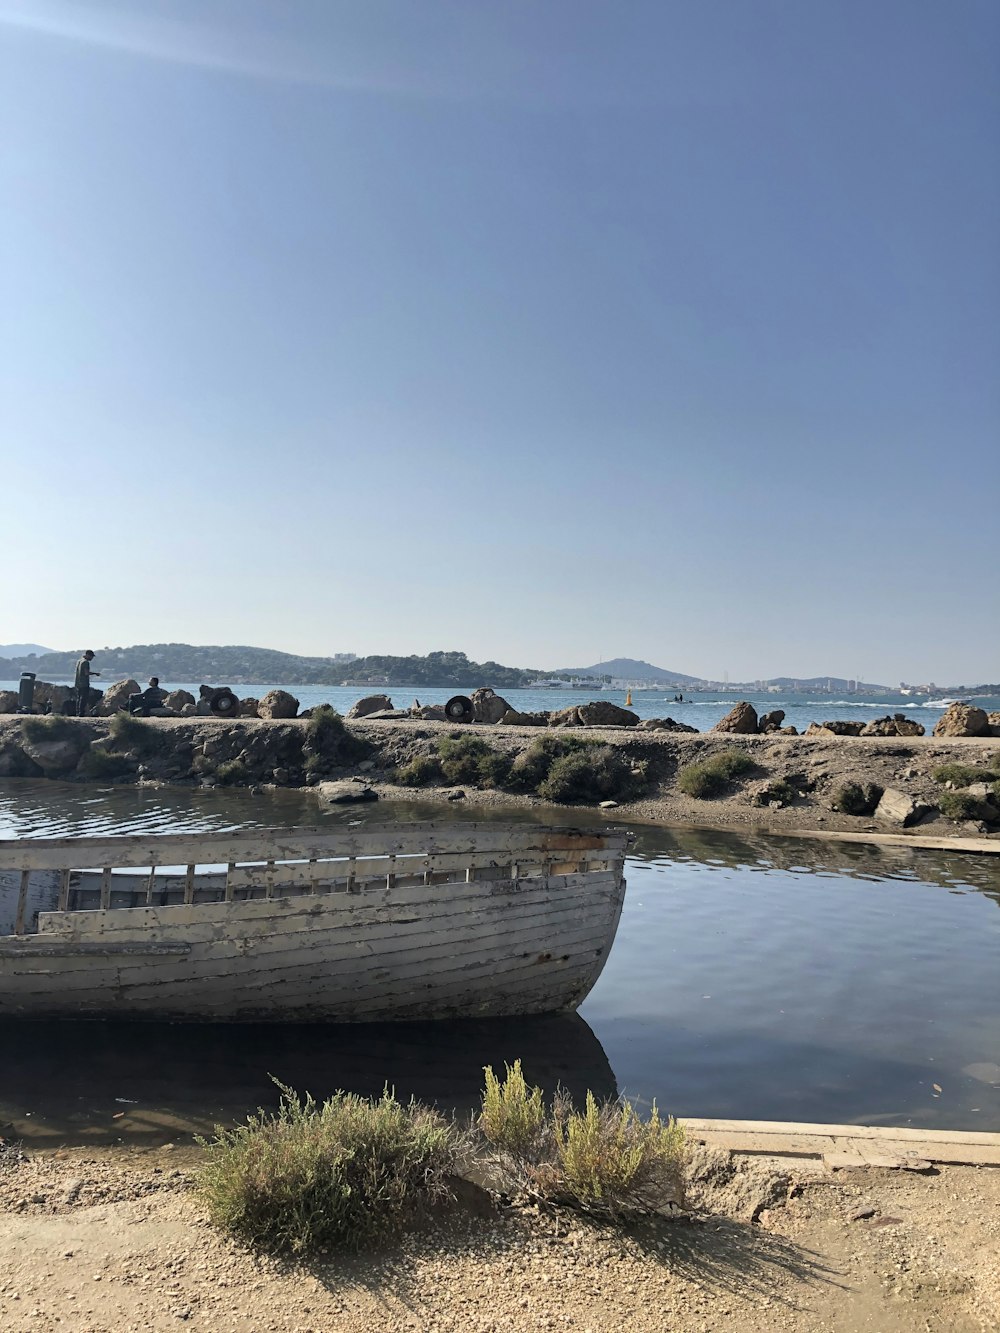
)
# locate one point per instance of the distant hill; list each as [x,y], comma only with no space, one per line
[23,649]
[243,665]
[629,668]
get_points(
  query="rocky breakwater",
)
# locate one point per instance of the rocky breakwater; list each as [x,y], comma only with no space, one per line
[747,771]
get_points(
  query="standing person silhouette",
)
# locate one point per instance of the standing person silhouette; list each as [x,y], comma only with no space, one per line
[81,683]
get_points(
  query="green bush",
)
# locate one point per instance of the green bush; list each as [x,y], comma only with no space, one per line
[232,773]
[53,727]
[595,774]
[421,771]
[964,805]
[711,777]
[345,1173]
[856,798]
[530,769]
[328,744]
[963,775]
[141,738]
[469,759]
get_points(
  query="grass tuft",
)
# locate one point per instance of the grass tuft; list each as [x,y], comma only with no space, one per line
[964,805]
[53,727]
[233,773]
[856,798]
[963,775]
[101,763]
[329,742]
[712,777]
[343,1174]
[421,771]
[130,733]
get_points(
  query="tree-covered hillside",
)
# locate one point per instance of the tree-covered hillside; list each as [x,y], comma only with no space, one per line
[244,665]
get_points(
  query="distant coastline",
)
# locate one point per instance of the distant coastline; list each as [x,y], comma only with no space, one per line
[246,665]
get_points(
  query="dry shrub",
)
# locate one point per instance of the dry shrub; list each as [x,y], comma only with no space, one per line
[856,798]
[342,1174]
[513,1115]
[603,1160]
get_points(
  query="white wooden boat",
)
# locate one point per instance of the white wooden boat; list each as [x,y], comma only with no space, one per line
[411,921]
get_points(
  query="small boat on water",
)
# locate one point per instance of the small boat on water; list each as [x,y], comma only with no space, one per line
[409,921]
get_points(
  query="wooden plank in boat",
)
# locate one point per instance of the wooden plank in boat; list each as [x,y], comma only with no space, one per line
[280,909]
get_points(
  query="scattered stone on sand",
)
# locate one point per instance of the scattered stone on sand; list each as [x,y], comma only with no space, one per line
[900,808]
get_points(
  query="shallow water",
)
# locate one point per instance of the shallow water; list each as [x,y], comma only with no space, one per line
[752,977]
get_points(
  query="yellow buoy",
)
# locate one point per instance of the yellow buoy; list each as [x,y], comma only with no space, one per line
[628,698]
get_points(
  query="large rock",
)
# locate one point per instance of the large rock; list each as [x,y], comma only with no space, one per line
[8,701]
[963,720]
[994,721]
[771,721]
[565,717]
[429,713]
[51,698]
[601,713]
[178,699]
[513,718]
[277,704]
[896,725]
[488,706]
[249,707]
[59,755]
[665,724]
[834,728]
[372,703]
[741,720]
[116,696]
[899,808]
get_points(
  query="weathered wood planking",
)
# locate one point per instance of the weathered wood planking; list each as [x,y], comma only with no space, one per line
[500,935]
[295,845]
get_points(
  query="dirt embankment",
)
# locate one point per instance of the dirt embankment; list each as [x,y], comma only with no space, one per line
[252,752]
[116,1242]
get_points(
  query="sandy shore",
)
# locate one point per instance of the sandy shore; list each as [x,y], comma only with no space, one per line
[115,1242]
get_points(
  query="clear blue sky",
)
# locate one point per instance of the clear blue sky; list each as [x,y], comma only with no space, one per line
[546,329]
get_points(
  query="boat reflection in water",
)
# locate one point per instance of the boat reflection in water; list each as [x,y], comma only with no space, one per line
[152,1084]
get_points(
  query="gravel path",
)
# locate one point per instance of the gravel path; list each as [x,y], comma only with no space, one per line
[114,1242]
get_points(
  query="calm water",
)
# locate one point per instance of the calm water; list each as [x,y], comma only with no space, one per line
[698,710]
[751,977]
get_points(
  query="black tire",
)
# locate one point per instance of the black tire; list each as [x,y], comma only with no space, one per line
[225,705]
[458,709]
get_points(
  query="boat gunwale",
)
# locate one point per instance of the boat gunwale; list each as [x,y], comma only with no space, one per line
[298,844]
